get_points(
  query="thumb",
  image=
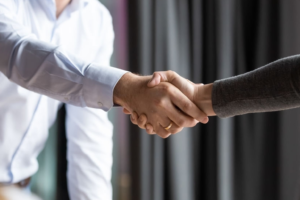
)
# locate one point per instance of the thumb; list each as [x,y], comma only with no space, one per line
[155,80]
[163,76]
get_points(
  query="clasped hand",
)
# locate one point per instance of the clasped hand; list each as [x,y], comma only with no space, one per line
[163,104]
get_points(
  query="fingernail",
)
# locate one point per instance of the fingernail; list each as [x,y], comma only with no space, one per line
[206,120]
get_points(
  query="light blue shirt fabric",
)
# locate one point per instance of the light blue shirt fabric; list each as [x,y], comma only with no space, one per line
[66,59]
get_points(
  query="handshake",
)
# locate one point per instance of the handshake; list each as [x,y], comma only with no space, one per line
[164,103]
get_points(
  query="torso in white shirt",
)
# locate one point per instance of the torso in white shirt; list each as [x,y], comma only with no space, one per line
[26,116]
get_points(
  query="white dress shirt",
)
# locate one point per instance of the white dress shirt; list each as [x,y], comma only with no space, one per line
[66,59]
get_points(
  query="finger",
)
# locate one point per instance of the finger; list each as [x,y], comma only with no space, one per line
[179,118]
[149,129]
[163,76]
[187,106]
[173,129]
[189,81]
[142,121]
[125,111]
[155,80]
[168,111]
[165,121]
[161,132]
[184,85]
[134,118]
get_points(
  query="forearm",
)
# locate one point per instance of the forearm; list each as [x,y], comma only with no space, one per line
[49,70]
[273,87]
[203,99]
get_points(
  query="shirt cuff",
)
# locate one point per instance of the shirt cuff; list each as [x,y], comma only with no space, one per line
[99,84]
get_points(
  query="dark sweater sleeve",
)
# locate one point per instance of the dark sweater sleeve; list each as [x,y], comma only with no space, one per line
[273,87]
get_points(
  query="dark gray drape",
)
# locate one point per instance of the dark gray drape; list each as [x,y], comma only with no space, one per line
[255,156]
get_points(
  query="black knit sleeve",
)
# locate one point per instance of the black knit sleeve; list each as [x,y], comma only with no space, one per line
[273,87]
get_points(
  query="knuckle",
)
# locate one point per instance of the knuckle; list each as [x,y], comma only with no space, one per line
[181,122]
[145,117]
[201,115]
[186,105]
[133,121]
[176,130]
[165,87]
[171,71]
[194,123]
[159,102]
[163,134]
[141,125]
[141,120]
[190,122]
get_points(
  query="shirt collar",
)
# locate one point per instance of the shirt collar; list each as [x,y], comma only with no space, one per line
[81,2]
[78,4]
[50,6]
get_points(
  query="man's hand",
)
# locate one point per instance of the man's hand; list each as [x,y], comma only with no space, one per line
[163,104]
[200,94]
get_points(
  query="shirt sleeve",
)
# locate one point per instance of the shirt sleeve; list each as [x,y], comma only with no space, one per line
[50,70]
[273,87]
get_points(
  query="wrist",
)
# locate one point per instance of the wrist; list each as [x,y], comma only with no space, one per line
[203,98]
[120,94]
[127,88]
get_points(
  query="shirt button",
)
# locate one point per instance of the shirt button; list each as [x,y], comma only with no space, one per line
[100,104]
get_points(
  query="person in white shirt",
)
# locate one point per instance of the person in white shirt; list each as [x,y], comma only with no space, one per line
[54,52]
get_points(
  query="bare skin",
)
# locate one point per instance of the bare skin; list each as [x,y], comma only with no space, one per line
[162,104]
[60,6]
[200,94]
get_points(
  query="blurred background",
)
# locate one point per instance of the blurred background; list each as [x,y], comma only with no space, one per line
[256,156]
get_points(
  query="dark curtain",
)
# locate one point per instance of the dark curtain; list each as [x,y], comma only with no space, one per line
[249,157]
[62,163]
